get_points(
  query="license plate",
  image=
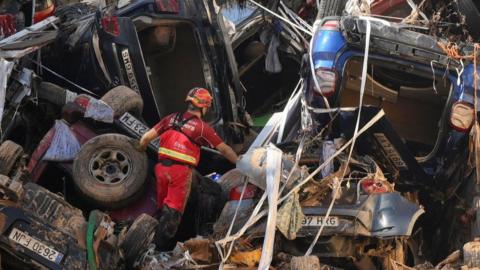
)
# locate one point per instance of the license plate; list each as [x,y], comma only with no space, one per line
[137,127]
[35,246]
[317,221]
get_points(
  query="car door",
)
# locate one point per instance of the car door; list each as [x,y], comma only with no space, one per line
[118,53]
[232,90]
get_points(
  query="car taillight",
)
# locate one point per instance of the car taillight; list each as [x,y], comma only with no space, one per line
[236,192]
[326,79]
[170,6]
[370,186]
[111,26]
[330,25]
[43,10]
[462,116]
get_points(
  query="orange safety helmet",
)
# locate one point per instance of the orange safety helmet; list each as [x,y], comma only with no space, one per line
[199,97]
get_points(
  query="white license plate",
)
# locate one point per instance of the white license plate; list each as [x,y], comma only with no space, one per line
[137,127]
[317,221]
[35,246]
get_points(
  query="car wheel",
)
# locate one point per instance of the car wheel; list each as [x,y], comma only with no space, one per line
[330,8]
[109,170]
[10,153]
[472,17]
[138,238]
[123,99]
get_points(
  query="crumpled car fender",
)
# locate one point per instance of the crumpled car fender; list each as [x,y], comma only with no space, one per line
[393,215]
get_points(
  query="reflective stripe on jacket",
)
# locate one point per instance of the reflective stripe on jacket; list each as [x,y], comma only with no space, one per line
[177,146]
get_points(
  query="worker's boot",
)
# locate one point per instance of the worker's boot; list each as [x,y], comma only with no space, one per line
[167,227]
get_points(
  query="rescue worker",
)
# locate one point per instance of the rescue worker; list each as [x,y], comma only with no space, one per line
[181,136]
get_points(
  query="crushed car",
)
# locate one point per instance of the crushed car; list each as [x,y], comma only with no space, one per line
[420,145]
[148,39]
[40,229]
[128,77]
[370,217]
[137,106]
[428,97]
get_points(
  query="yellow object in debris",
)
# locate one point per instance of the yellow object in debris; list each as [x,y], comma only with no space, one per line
[248,258]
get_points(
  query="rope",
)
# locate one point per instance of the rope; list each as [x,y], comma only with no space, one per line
[63,78]
[224,258]
[337,185]
[453,51]
[306,31]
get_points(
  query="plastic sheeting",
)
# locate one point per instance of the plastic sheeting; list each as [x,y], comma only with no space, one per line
[99,110]
[273,175]
[358,7]
[6,68]
[328,150]
[290,216]
[64,146]
[272,61]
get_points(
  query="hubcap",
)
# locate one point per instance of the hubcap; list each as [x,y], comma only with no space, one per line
[110,166]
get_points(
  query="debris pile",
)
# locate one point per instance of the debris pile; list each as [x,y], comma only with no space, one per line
[356,122]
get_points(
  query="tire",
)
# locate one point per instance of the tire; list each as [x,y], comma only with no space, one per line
[52,93]
[123,99]
[109,171]
[10,153]
[472,17]
[330,8]
[138,238]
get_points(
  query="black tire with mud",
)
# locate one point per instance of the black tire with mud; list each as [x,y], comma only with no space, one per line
[10,153]
[330,8]
[123,99]
[52,93]
[138,238]
[109,171]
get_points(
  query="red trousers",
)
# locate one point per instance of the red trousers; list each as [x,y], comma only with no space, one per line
[173,185]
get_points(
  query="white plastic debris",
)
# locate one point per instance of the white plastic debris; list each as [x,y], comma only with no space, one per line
[358,7]
[328,150]
[253,165]
[272,61]
[64,146]
[6,68]
[99,110]
[273,175]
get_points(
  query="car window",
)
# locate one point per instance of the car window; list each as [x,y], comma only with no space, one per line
[237,14]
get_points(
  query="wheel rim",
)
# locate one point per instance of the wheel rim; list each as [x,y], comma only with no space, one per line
[110,166]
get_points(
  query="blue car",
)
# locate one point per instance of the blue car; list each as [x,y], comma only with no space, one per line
[428,99]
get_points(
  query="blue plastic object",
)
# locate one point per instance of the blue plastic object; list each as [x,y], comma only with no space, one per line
[215,176]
